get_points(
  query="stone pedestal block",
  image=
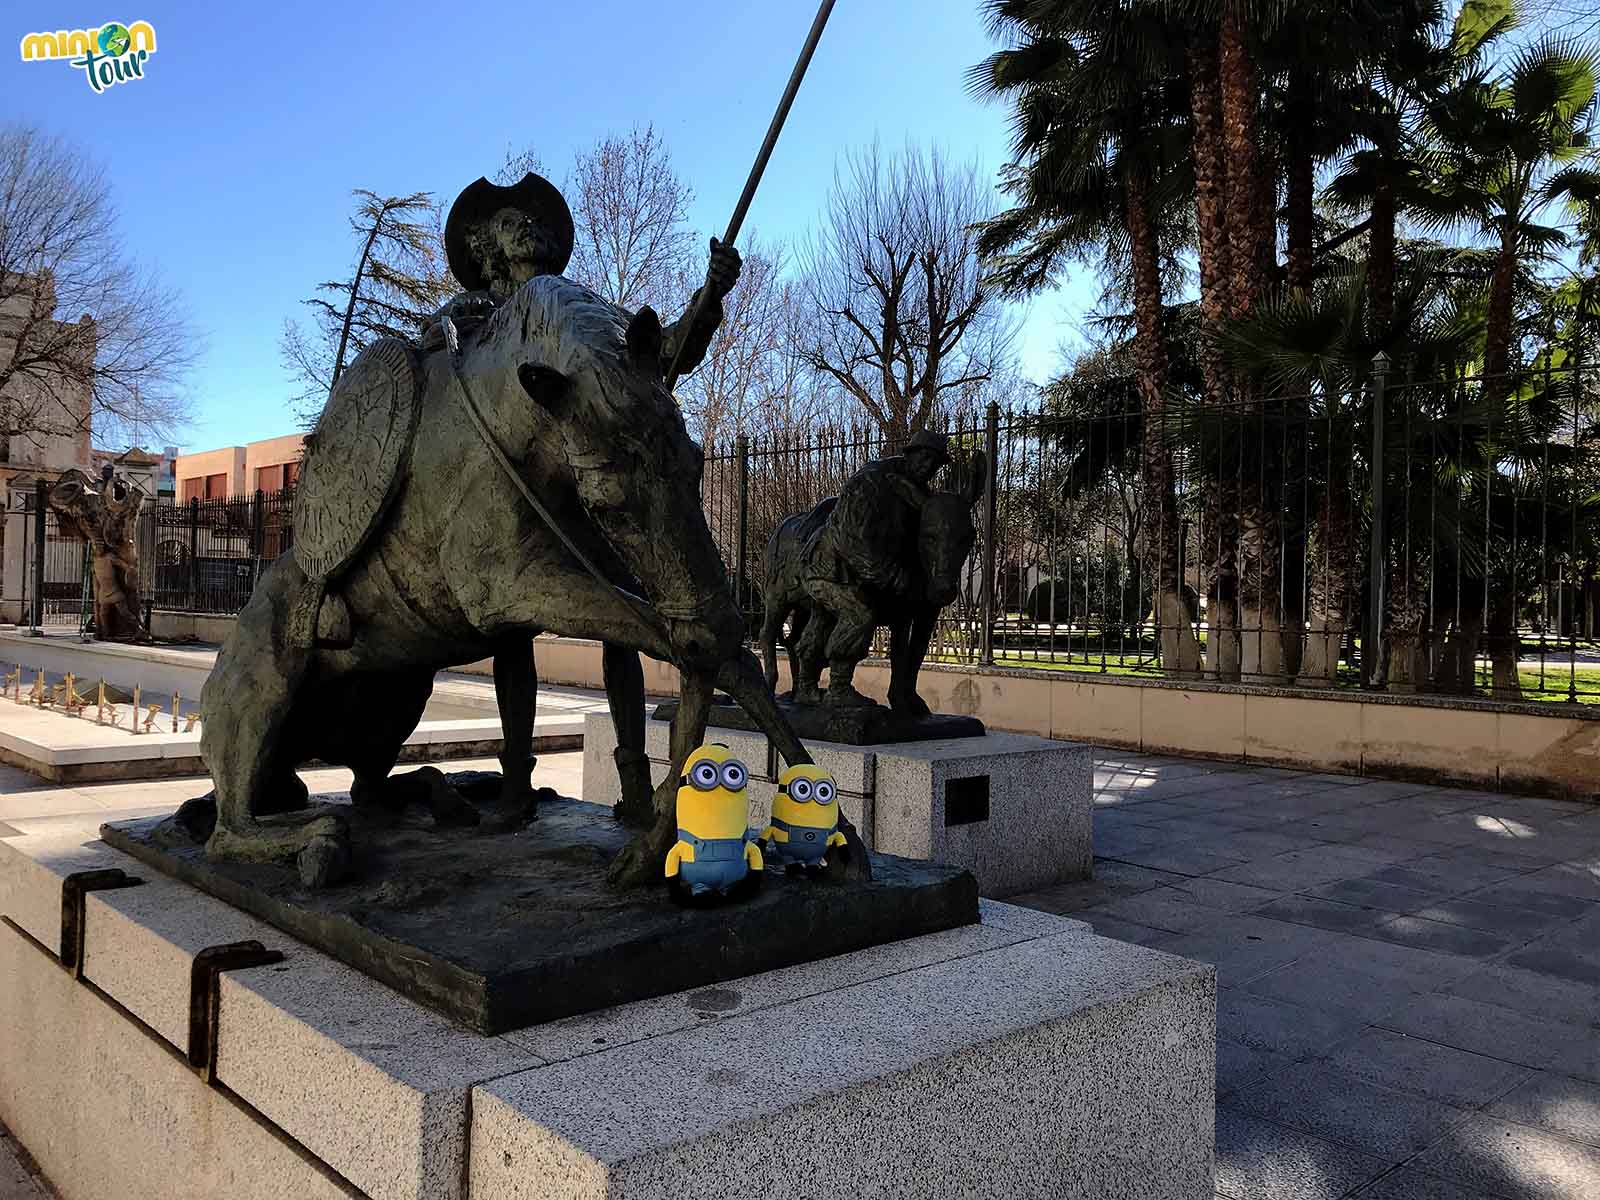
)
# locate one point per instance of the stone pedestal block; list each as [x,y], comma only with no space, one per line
[1014,809]
[1019,1057]
[1062,1066]
[372,1087]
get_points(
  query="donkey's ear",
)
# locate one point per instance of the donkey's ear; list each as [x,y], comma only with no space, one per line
[546,386]
[977,476]
[644,338]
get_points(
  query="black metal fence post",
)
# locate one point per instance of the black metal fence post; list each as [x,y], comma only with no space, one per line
[991,447]
[88,624]
[194,554]
[742,451]
[258,537]
[41,505]
[1372,635]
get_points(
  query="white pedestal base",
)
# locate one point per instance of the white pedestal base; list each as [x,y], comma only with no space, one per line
[1014,809]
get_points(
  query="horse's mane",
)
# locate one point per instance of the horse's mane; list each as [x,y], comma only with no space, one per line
[563,324]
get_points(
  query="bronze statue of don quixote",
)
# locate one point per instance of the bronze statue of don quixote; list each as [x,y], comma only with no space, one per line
[520,468]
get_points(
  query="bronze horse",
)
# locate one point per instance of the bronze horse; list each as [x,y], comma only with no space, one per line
[570,389]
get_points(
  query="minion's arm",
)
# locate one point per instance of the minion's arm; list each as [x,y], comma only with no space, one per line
[752,857]
[681,852]
[774,834]
[836,839]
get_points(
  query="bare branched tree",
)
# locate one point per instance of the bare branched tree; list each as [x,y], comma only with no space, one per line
[399,279]
[88,338]
[903,321]
[519,163]
[798,397]
[634,245]
[729,392]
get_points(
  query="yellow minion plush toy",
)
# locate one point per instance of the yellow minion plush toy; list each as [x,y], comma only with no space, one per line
[805,817]
[714,852]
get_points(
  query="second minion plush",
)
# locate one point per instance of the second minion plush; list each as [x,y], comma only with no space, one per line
[714,852]
[805,817]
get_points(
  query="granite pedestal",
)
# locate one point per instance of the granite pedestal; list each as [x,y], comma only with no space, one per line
[1014,809]
[506,923]
[1020,1057]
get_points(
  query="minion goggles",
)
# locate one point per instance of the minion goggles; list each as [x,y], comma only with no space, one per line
[706,775]
[803,791]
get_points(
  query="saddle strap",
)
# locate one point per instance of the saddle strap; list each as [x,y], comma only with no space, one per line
[640,607]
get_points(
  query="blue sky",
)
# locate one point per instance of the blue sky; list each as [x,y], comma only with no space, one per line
[232,160]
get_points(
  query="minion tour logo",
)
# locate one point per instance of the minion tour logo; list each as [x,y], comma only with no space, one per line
[112,54]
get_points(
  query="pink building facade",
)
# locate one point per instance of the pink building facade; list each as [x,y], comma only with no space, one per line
[271,465]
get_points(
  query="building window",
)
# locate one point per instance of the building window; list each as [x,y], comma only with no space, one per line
[216,487]
[291,474]
[193,489]
[269,479]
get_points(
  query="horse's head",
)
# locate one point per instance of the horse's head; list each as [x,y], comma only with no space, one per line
[947,532]
[595,376]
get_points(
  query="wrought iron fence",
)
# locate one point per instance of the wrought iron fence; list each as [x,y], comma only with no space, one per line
[1413,534]
[47,566]
[205,556]
[1438,534]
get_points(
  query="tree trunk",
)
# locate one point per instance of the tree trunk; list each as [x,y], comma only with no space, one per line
[1210,185]
[1267,273]
[1504,648]
[1260,591]
[355,291]
[1380,261]
[1405,631]
[1332,569]
[1497,328]
[1220,548]
[1300,225]
[1219,532]
[1240,92]
[1250,232]
[1180,651]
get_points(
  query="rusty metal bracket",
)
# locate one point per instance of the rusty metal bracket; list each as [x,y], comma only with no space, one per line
[205,995]
[74,890]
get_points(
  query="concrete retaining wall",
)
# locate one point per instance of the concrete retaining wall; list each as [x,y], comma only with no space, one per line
[1539,748]
[199,627]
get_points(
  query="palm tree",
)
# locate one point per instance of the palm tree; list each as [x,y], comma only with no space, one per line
[1236,225]
[1101,167]
[1274,87]
[1516,143]
[1388,173]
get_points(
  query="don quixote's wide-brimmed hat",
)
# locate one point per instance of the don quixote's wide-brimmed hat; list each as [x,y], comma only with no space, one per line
[936,444]
[534,195]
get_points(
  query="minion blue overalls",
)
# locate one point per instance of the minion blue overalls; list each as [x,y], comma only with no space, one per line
[718,863]
[806,845]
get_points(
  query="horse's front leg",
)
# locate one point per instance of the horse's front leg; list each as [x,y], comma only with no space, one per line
[642,860]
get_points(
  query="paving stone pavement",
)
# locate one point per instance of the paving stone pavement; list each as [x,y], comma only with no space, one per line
[17,1182]
[1409,1003]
